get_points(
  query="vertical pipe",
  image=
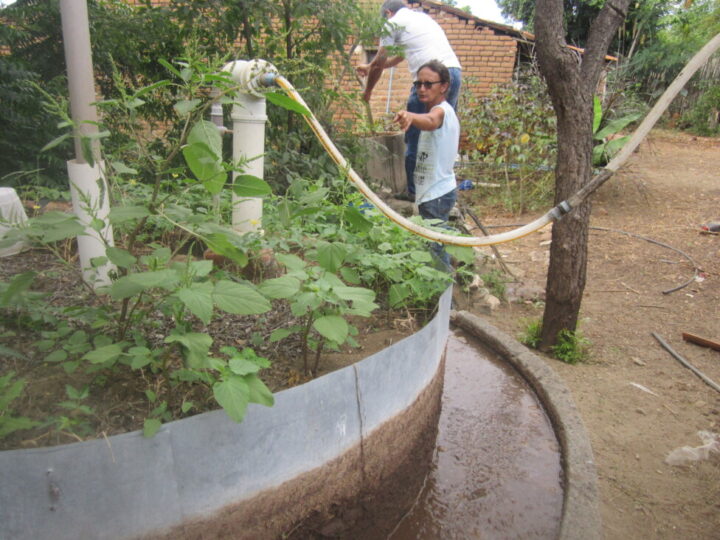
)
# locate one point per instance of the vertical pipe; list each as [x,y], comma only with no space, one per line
[81,83]
[88,187]
[248,116]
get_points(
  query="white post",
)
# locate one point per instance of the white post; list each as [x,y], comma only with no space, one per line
[248,116]
[88,187]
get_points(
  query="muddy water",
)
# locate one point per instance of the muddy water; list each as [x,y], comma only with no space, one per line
[496,470]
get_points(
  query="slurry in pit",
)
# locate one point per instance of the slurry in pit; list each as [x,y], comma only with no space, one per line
[496,471]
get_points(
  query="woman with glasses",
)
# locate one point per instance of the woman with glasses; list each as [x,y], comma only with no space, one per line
[422,40]
[439,128]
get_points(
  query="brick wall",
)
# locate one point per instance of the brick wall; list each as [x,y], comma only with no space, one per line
[487,52]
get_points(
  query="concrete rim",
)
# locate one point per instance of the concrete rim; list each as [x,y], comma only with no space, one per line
[581,513]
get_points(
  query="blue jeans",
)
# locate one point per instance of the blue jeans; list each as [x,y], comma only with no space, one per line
[412,135]
[439,209]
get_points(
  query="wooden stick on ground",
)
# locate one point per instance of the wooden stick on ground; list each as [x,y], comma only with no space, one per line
[697,340]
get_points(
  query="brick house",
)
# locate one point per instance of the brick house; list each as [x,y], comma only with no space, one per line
[488,53]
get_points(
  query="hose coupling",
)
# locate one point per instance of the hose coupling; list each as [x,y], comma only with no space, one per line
[560,210]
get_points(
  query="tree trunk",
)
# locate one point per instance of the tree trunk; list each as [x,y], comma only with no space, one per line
[572,80]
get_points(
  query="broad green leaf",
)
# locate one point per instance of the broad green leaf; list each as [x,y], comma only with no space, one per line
[282,287]
[350,275]
[198,299]
[462,253]
[106,354]
[316,196]
[358,221]
[139,357]
[138,282]
[206,166]
[355,294]
[58,355]
[239,299]
[219,243]
[246,185]
[242,366]
[233,396]
[121,168]
[10,424]
[184,107]
[331,255]
[259,393]
[280,334]
[18,284]
[121,214]
[332,327]
[397,293]
[66,226]
[125,288]
[284,101]
[120,257]
[196,347]
[150,427]
[616,125]
[291,262]
[9,391]
[420,256]
[207,133]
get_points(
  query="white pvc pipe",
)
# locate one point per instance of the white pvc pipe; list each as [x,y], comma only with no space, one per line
[248,117]
[90,200]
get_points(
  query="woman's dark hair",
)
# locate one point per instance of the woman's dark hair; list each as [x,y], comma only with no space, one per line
[439,68]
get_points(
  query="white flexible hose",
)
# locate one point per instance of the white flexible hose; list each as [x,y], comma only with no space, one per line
[467,241]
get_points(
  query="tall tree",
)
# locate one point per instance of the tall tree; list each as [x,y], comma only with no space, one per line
[572,81]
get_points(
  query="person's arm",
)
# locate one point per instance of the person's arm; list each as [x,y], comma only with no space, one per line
[374,70]
[429,121]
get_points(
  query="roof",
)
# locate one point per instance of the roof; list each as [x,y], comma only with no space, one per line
[469,17]
[524,37]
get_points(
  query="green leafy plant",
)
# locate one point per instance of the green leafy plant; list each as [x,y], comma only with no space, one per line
[511,142]
[532,334]
[11,389]
[320,299]
[605,131]
[571,347]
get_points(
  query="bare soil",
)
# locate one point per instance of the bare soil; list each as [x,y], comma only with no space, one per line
[669,187]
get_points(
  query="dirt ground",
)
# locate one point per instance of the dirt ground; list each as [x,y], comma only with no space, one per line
[637,401]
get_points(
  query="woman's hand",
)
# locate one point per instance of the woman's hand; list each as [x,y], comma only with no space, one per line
[404,118]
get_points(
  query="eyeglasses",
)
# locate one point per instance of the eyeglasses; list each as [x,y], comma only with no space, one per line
[426,84]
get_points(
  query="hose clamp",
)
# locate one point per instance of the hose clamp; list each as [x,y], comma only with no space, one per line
[560,210]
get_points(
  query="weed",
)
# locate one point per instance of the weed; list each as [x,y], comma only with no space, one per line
[495,282]
[531,335]
[571,347]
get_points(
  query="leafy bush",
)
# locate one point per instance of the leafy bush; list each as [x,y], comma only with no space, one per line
[158,321]
[571,347]
[511,141]
[704,116]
